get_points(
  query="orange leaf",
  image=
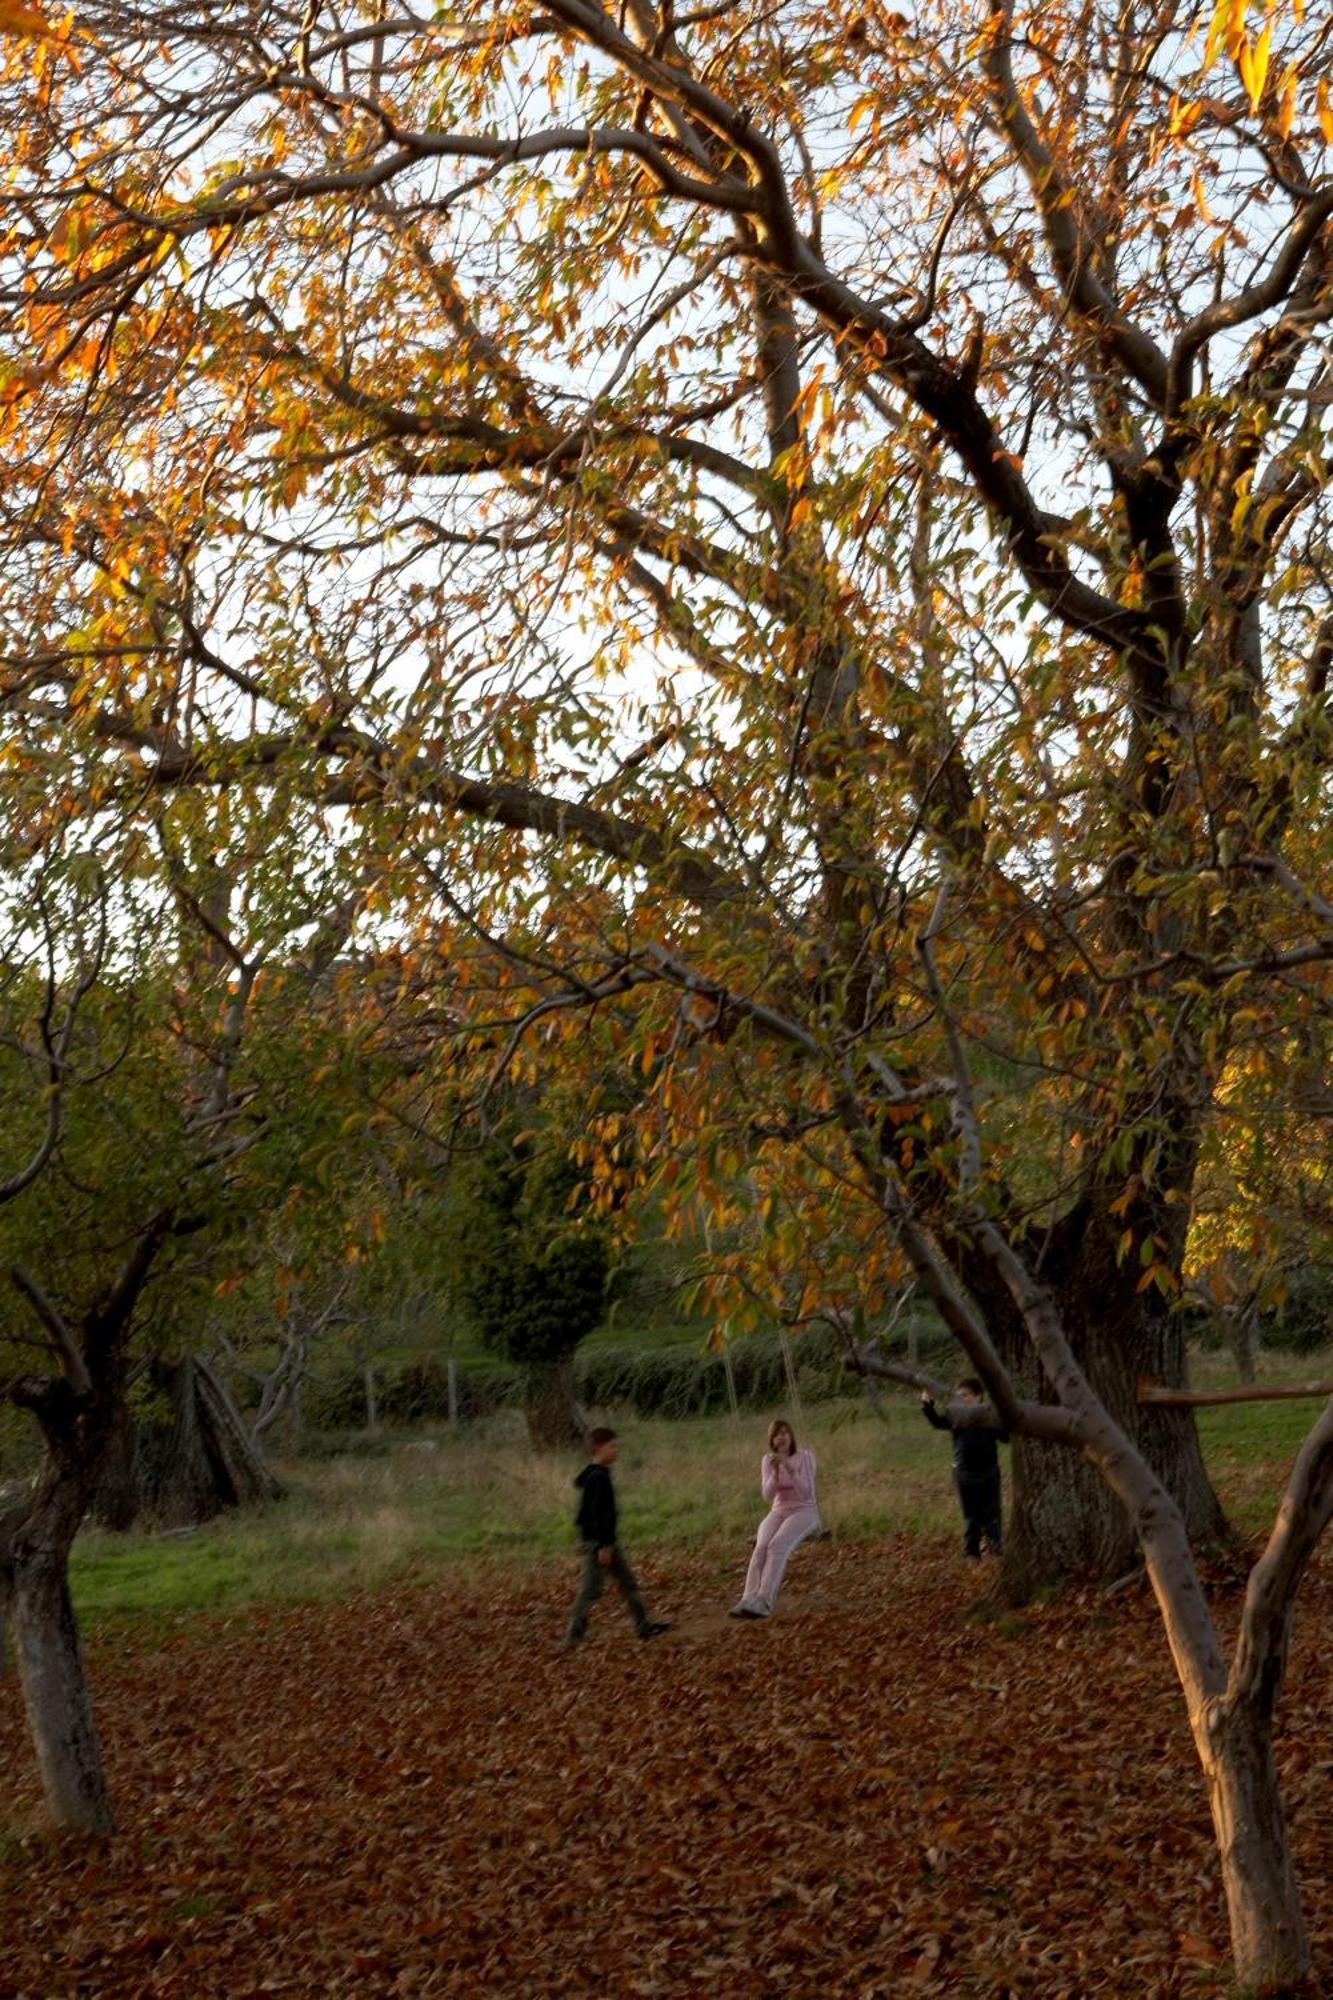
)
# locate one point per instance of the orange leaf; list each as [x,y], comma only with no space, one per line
[16,19]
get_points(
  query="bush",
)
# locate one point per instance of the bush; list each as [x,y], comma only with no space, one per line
[414,1392]
[685,1382]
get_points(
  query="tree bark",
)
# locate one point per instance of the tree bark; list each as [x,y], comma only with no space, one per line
[9,1522]
[185,1461]
[1065,1521]
[1269,1945]
[49,1655]
[550,1405]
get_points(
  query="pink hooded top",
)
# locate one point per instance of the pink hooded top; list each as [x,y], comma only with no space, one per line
[790,1483]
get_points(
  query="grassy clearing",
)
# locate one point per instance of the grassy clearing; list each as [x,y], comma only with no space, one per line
[349,1523]
[353,1522]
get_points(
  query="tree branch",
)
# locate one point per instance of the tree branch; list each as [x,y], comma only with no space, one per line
[71,1354]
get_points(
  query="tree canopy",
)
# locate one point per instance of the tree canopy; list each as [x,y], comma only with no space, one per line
[785,546]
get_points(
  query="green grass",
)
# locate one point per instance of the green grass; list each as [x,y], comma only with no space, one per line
[351,1522]
[355,1521]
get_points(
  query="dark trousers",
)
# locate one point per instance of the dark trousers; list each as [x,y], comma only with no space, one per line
[980,1500]
[592,1582]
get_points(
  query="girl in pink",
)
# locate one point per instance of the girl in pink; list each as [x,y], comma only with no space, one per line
[787,1479]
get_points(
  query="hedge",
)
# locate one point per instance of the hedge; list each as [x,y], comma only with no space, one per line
[647,1382]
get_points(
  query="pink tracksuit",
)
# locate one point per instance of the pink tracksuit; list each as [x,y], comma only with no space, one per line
[789,1485]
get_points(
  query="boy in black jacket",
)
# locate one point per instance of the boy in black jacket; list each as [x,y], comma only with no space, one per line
[596,1525]
[976,1469]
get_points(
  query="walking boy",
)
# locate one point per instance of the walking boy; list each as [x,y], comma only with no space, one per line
[596,1525]
[976,1469]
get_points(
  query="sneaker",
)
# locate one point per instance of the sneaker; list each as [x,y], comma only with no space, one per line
[741,1610]
[655,1629]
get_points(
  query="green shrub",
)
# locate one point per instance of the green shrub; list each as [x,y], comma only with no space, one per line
[413,1392]
[671,1382]
[688,1382]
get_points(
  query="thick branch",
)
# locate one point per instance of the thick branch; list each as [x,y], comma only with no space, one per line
[1061,212]
[1305,1512]
[1249,304]
[1191,1399]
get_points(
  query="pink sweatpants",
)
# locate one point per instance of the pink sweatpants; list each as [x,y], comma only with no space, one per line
[777,1537]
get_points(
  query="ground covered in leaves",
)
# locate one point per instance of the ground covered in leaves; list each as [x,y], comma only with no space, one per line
[873,1794]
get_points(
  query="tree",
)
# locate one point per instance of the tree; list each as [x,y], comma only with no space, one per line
[690,490]
[531,1272]
[154,1127]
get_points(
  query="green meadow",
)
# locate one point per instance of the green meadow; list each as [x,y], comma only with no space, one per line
[395,1504]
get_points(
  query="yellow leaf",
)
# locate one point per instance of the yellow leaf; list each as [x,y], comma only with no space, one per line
[861,108]
[1254,66]
[1324,110]
[19,20]
[1227,28]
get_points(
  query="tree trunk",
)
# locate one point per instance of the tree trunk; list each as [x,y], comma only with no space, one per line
[1245,1340]
[1269,1946]
[186,1459]
[550,1405]
[1066,1522]
[50,1657]
[116,1501]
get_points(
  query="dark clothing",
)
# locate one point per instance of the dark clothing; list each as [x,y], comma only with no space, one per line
[596,1517]
[596,1524]
[974,1453]
[976,1474]
[980,1501]
[592,1583]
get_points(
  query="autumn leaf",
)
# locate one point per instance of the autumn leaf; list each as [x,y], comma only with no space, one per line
[17,19]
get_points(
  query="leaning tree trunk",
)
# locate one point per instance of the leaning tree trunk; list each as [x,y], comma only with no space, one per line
[550,1405]
[1269,1946]
[34,1586]
[186,1458]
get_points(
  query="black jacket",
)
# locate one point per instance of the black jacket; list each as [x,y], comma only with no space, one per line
[596,1518]
[975,1459]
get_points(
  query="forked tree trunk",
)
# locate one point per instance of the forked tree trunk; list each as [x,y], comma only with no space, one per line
[550,1405]
[49,1656]
[1268,1940]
